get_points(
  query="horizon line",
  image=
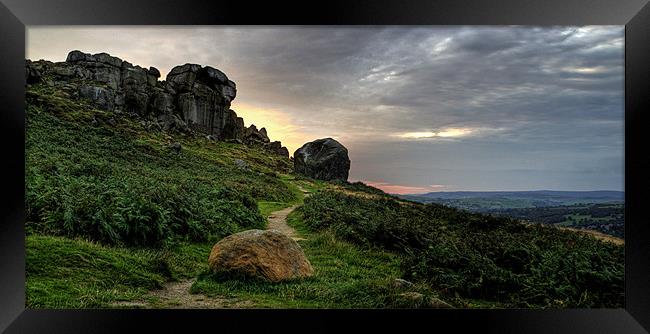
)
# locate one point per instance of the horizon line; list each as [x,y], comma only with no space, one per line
[497,191]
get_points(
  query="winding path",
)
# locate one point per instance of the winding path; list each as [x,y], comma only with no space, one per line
[278,220]
[176,295]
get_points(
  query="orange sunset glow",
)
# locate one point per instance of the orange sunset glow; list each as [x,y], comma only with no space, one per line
[401,190]
[279,125]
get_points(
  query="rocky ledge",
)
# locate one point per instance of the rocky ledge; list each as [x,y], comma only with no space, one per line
[193,98]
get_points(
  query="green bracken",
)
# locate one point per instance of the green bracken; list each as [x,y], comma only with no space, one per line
[474,256]
[128,188]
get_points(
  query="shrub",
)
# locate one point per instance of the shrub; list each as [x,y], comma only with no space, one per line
[477,256]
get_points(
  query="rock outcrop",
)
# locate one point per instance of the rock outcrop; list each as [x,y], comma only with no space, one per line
[202,97]
[323,159]
[193,98]
[277,147]
[260,254]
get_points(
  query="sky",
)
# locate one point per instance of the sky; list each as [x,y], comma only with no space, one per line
[420,108]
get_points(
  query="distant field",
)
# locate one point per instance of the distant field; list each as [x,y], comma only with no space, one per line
[594,210]
[488,200]
[605,218]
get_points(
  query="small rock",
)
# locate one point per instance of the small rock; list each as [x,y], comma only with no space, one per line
[399,283]
[418,300]
[410,300]
[412,296]
[437,303]
[241,164]
[176,147]
[111,121]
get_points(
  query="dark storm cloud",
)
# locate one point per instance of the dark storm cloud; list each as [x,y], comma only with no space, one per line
[502,107]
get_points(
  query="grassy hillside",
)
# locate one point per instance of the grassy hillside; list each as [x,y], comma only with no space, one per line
[123,185]
[473,256]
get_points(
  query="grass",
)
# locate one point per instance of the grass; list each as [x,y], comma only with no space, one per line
[266,208]
[75,273]
[306,183]
[476,257]
[346,276]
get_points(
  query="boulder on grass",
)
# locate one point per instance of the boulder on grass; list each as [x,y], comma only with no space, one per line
[259,254]
[323,159]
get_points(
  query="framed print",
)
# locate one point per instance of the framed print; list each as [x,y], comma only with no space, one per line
[368,166]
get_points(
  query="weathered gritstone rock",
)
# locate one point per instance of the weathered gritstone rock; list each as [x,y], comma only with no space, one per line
[323,159]
[261,254]
[252,135]
[277,147]
[203,96]
[193,98]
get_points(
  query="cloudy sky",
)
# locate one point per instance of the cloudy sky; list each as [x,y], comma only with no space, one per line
[420,108]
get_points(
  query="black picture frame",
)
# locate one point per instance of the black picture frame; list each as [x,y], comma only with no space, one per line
[16,14]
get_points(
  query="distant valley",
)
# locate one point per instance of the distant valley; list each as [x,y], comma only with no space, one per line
[595,210]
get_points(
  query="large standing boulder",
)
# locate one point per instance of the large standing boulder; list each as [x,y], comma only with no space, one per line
[261,254]
[203,99]
[323,159]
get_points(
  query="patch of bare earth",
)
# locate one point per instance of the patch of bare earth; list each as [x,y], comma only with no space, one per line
[278,221]
[176,295]
[597,235]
